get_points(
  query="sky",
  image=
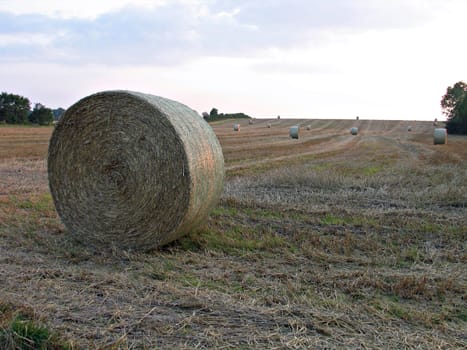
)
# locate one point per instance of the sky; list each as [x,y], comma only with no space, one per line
[376,59]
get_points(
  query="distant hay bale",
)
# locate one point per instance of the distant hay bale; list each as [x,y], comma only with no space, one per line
[293,131]
[278,117]
[354,131]
[269,125]
[308,127]
[236,127]
[250,121]
[409,128]
[132,170]
[440,136]
[358,118]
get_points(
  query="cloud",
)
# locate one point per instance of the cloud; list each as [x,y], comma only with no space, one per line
[179,31]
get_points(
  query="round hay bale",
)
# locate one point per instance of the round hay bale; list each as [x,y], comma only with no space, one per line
[269,125]
[440,136]
[132,170]
[278,117]
[308,127]
[250,121]
[293,131]
[409,128]
[358,117]
[354,131]
[236,127]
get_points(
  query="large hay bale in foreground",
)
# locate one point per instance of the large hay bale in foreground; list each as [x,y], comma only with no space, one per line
[133,170]
[354,131]
[293,131]
[440,136]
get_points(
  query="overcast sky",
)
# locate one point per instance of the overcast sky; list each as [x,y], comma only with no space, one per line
[378,59]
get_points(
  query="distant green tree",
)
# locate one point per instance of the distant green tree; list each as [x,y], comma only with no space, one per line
[14,109]
[58,112]
[41,115]
[214,113]
[454,106]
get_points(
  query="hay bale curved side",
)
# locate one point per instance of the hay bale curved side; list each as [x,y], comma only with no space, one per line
[236,127]
[354,131]
[440,136]
[293,131]
[133,170]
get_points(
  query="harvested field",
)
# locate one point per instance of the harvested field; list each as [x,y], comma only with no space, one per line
[329,241]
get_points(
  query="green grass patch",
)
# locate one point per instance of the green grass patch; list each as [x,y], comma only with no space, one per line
[371,170]
[38,203]
[224,211]
[233,241]
[330,219]
[25,334]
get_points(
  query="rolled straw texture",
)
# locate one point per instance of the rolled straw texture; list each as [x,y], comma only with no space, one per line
[133,170]
[440,136]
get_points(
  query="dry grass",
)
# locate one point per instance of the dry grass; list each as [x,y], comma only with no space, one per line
[346,244]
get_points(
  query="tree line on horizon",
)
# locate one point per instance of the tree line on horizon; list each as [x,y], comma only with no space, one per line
[16,109]
[215,115]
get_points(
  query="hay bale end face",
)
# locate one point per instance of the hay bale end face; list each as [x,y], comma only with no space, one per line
[440,136]
[293,131]
[132,170]
[354,131]
[236,127]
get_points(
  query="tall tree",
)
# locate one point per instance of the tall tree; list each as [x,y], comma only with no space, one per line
[41,115]
[454,106]
[14,109]
[214,113]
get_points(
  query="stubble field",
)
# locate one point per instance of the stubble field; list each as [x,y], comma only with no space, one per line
[329,241]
